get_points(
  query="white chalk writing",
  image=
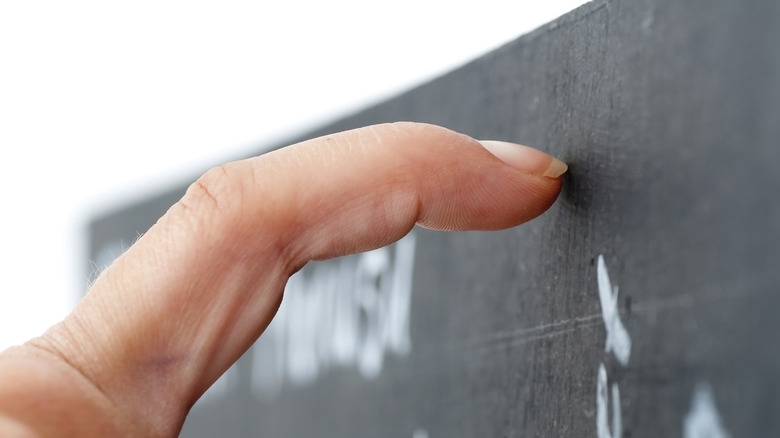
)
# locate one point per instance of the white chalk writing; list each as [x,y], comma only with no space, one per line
[619,343]
[602,404]
[703,420]
[618,340]
[346,312]
[420,433]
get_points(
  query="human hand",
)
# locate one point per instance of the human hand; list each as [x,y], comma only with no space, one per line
[162,323]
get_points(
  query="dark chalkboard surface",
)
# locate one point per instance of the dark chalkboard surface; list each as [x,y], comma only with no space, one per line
[643,304]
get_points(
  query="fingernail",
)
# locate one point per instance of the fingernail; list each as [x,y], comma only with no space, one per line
[526,158]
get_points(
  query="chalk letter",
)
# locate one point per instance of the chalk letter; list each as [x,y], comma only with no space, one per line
[618,340]
[602,403]
[703,421]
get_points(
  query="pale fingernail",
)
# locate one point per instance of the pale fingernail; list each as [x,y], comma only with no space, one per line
[526,158]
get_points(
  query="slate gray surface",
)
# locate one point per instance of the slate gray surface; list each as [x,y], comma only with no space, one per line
[668,113]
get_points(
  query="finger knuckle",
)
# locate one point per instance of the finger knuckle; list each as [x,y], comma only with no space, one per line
[215,195]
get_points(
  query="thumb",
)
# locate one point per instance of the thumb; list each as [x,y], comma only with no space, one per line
[172,314]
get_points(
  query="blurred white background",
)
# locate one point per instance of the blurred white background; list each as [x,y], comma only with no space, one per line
[106,102]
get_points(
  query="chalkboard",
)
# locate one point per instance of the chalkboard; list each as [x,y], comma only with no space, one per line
[644,303]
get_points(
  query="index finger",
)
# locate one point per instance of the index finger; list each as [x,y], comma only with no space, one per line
[181,305]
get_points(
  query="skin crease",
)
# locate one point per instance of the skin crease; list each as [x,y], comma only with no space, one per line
[163,322]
